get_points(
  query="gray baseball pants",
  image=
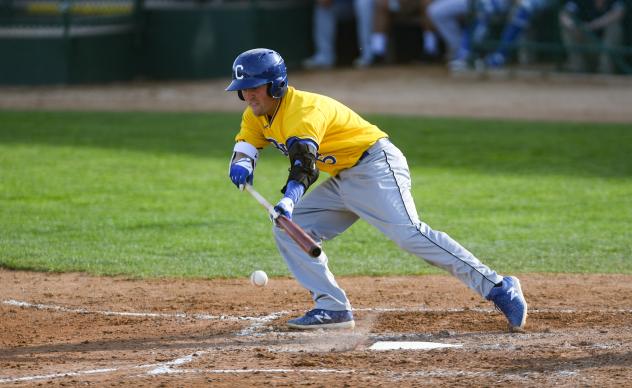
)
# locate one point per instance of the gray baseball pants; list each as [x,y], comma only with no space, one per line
[377,189]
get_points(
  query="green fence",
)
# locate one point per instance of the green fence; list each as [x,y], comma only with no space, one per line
[66,42]
[83,41]
[191,40]
[72,42]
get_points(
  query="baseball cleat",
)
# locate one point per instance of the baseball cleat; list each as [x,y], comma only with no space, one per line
[323,319]
[509,300]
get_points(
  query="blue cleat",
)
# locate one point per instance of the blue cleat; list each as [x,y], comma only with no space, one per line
[509,300]
[323,319]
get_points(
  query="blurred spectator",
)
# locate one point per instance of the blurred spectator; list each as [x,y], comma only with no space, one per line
[518,15]
[327,14]
[517,25]
[594,22]
[451,15]
[448,17]
[385,10]
[476,32]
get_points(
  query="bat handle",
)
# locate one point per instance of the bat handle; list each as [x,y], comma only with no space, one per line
[262,201]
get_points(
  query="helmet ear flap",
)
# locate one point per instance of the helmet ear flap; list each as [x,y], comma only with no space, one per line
[277,90]
[282,88]
[269,89]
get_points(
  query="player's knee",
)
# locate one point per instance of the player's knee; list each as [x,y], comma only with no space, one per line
[406,240]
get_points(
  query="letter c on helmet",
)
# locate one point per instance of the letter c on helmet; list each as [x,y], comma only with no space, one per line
[239,72]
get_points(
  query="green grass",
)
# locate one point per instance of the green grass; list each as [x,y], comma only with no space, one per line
[147,194]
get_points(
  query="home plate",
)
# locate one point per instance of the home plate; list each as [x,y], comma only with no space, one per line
[410,345]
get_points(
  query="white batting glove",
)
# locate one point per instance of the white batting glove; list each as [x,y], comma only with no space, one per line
[284,207]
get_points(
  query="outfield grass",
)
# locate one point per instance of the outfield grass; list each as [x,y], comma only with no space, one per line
[147,194]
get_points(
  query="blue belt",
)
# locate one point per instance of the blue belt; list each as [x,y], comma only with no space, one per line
[383,141]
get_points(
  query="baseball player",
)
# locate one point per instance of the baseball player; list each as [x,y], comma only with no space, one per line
[369,179]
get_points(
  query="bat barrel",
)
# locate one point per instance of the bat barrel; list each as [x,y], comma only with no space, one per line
[299,236]
[307,244]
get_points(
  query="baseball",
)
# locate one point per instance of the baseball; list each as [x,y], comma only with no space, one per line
[259,278]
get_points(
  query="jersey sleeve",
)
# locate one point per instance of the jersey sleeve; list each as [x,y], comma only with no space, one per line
[251,130]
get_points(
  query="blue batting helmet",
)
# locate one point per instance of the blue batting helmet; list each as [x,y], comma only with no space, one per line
[258,67]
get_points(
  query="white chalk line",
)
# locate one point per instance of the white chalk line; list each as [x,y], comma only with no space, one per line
[438,373]
[56,375]
[168,367]
[168,370]
[198,316]
[267,318]
[155,369]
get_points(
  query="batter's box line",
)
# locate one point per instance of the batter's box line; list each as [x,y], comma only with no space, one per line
[272,316]
[56,375]
[206,317]
[561,375]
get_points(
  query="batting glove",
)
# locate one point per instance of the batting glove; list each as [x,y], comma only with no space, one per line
[284,207]
[293,191]
[242,172]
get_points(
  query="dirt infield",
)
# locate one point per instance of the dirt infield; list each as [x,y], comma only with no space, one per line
[73,329]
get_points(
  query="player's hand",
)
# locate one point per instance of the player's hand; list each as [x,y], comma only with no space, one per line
[284,207]
[242,172]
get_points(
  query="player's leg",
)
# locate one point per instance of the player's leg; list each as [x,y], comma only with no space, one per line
[364,24]
[325,23]
[430,39]
[381,26]
[323,30]
[612,37]
[445,15]
[519,20]
[571,36]
[378,190]
[322,214]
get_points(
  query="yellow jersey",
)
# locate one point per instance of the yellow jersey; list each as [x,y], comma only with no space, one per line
[340,133]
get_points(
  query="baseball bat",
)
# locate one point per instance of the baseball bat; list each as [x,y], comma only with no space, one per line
[295,232]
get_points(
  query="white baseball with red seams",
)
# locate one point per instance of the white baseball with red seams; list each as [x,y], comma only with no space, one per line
[259,278]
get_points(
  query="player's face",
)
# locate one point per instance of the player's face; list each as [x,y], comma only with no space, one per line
[259,100]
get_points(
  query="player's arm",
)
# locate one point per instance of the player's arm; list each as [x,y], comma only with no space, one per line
[303,173]
[245,155]
[243,163]
[616,13]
